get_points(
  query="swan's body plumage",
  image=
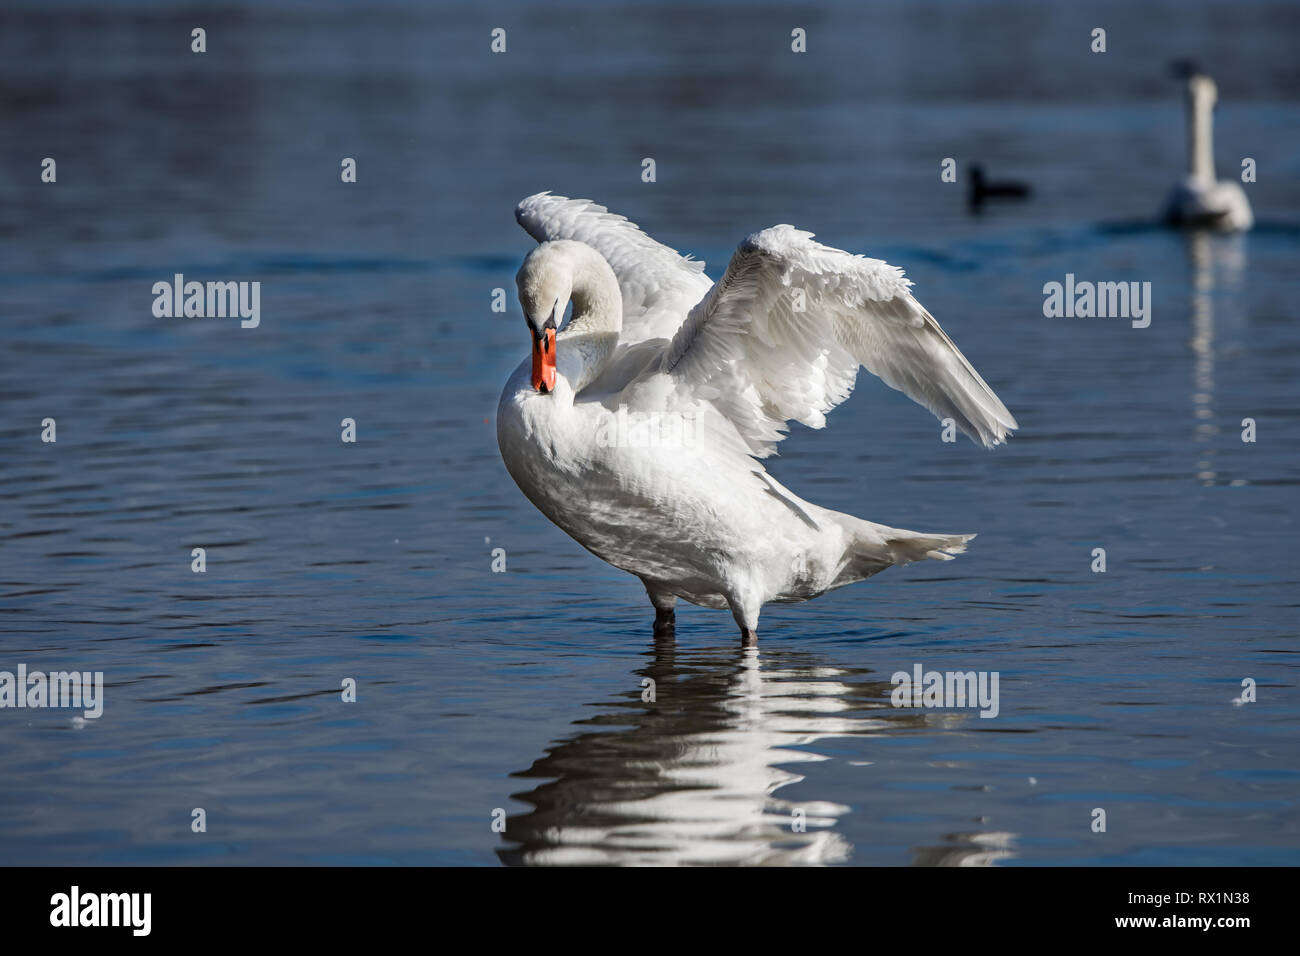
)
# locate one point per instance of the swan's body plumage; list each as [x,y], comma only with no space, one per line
[653,462]
[1205,204]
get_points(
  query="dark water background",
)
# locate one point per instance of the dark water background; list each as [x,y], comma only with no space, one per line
[522,691]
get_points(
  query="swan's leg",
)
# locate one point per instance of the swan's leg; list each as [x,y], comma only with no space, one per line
[665,622]
[665,609]
[746,614]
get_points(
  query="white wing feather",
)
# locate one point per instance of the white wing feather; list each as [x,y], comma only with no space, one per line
[762,363]
[659,285]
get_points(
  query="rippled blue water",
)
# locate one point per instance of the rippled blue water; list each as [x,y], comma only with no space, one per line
[522,691]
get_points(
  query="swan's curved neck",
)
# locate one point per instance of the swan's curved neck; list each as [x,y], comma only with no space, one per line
[1200,131]
[588,342]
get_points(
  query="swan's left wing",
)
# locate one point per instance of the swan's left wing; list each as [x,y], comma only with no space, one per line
[781,335]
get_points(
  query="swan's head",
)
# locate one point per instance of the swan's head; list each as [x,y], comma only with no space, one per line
[1200,88]
[545,282]
[1201,91]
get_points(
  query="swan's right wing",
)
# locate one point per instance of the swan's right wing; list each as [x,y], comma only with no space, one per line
[659,285]
[781,336]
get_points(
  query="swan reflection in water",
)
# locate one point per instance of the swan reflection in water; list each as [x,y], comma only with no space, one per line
[1217,267]
[691,776]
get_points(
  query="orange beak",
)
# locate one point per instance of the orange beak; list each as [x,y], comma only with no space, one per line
[544,361]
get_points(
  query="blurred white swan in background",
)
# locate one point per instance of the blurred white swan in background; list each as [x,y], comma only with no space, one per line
[638,427]
[1201,200]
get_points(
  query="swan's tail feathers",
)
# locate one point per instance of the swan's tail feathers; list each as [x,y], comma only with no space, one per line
[874,547]
[871,548]
[909,546]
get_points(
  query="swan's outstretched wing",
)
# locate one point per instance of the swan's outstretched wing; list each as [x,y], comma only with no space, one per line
[749,350]
[659,285]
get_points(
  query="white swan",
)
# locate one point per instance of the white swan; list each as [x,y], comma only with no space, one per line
[1200,200]
[636,429]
